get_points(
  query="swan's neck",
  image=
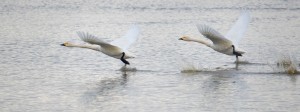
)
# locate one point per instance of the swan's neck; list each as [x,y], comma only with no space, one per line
[93,47]
[201,41]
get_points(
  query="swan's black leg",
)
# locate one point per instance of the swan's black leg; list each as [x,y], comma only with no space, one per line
[237,58]
[123,60]
[237,63]
[236,54]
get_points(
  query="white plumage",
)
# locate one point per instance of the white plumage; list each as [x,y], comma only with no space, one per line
[114,49]
[224,44]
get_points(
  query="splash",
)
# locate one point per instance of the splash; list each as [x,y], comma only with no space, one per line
[285,63]
[128,68]
[243,62]
[190,67]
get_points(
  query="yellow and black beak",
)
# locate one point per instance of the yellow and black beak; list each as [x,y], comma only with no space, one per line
[63,44]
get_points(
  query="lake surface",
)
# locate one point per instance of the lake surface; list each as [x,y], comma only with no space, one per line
[37,74]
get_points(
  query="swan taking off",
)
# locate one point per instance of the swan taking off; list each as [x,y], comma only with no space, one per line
[224,44]
[117,48]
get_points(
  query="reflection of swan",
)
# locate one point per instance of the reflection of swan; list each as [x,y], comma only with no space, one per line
[228,44]
[117,48]
[105,87]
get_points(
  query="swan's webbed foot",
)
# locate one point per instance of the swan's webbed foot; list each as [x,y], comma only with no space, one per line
[237,54]
[123,60]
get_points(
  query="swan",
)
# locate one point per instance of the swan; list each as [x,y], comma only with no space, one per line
[224,44]
[116,49]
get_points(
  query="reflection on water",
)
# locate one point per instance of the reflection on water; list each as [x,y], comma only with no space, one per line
[106,87]
[219,80]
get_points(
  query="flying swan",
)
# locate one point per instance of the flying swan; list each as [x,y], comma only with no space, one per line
[116,49]
[224,44]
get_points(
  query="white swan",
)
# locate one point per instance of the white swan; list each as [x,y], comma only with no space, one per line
[228,44]
[117,48]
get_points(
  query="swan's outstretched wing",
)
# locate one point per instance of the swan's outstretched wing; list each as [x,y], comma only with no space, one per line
[213,35]
[239,28]
[125,41]
[86,37]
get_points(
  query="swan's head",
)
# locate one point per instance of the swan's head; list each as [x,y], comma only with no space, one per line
[67,44]
[185,38]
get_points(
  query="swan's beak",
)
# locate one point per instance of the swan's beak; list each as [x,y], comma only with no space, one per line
[180,39]
[63,44]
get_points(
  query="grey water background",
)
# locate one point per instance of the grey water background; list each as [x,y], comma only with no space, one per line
[37,74]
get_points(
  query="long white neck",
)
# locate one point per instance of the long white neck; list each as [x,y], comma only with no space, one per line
[201,41]
[93,47]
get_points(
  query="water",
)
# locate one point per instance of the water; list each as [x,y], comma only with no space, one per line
[37,74]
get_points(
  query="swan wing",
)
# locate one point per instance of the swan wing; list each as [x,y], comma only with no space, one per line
[86,37]
[239,28]
[128,39]
[213,35]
